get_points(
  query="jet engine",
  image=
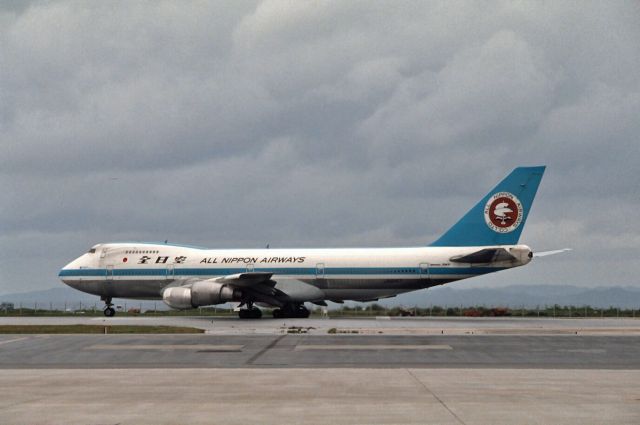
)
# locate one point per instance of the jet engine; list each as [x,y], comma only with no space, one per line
[200,294]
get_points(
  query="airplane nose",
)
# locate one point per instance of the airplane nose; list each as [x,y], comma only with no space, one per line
[65,273]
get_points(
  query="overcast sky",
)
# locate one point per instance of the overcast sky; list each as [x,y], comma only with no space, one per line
[316,124]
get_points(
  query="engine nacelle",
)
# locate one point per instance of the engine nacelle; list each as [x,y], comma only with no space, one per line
[209,293]
[177,297]
[200,294]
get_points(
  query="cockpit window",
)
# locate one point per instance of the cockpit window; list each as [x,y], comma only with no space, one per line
[92,251]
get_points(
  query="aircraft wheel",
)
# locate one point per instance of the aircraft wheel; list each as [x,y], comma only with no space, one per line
[302,312]
[291,311]
[109,312]
[253,313]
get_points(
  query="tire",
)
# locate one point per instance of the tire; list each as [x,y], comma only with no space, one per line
[254,313]
[291,311]
[109,312]
[302,312]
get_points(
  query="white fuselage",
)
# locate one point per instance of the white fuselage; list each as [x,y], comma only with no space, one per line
[145,270]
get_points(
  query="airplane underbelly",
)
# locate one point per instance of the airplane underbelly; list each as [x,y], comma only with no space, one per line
[369,283]
[366,289]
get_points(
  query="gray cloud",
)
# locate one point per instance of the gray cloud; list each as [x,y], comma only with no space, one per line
[315,124]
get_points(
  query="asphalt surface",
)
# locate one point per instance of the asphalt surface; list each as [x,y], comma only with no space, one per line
[319,351]
[386,371]
[362,325]
[319,396]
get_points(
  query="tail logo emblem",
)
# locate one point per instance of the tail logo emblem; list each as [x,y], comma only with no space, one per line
[503,212]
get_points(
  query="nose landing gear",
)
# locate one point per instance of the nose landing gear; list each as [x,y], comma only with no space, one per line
[108,311]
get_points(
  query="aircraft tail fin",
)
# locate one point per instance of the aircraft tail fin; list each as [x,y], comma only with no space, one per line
[498,219]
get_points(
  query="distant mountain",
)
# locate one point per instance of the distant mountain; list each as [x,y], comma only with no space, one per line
[65,297]
[510,296]
[522,295]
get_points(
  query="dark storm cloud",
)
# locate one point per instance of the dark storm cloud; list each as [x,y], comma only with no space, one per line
[315,124]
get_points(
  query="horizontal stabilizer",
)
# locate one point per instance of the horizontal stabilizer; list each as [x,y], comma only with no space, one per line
[487,255]
[554,252]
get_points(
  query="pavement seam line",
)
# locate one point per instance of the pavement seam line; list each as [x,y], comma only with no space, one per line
[423,385]
[13,340]
[265,349]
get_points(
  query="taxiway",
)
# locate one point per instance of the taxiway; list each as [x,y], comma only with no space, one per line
[385,371]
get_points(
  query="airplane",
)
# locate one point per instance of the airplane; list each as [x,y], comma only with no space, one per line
[484,240]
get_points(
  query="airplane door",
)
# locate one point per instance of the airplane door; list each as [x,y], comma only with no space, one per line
[171,272]
[320,271]
[103,255]
[424,270]
[250,267]
[109,273]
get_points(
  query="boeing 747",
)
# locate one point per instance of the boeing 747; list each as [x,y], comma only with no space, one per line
[485,240]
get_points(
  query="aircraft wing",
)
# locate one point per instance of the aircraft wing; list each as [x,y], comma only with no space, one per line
[256,287]
[247,280]
[487,255]
[260,287]
[239,280]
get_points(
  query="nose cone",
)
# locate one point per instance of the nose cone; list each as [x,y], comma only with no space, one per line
[67,273]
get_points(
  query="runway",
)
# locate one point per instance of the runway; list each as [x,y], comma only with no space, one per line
[453,371]
[319,351]
[362,325]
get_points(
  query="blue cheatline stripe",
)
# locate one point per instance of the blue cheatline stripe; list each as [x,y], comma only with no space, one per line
[297,271]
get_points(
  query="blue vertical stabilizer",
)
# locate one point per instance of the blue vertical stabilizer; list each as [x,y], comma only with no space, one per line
[498,219]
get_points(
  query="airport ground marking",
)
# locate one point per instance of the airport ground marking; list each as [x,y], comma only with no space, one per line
[442,403]
[304,347]
[13,340]
[170,347]
[265,349]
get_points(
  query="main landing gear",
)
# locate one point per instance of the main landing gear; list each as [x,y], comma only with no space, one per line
[290,311]
[108,311]
[250,312]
